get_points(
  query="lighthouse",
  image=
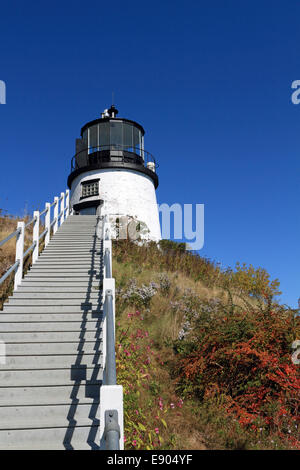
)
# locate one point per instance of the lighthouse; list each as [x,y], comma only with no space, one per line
[113,175]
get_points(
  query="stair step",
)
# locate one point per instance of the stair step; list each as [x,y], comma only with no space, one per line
[70,247]
[50,317]
[87,254]
[76,233]
[59,276]
[79,228]
[90,303]
[19,327]
[93,252]
[48,288]
[74,246]
[64,269]
[20,294]
[50,377]
[69,259]
[20,349]
[67,266]
[55,395]
[51,309]
[49,416]
[50,336]
[94,284]
[59,361]
[93,265]
[88,257]
[89,237]
[75,239]
[73,254]
[73,229]
[77,438]
[80,239]
[69,263]
[88,225]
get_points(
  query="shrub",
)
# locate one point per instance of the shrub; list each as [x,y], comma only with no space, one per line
[244,355]
[138,296]
[169,245]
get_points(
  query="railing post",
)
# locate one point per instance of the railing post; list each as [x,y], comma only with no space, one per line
[55,226]
[62,208]
[108,303]
[47,223]
[67,203]
[107,246]
[36,234]
[19,254]
[111,375]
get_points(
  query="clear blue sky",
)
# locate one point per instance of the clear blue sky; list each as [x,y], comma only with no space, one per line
[210,81]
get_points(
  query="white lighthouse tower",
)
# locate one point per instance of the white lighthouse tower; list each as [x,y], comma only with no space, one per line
[112,174]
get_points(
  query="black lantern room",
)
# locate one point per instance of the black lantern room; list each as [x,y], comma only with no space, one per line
[111,142]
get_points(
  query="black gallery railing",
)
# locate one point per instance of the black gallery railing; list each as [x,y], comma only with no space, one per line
[115,154]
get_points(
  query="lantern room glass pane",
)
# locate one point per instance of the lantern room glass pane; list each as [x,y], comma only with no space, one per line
[127,135]
[85,138]
[116,137]
[93,137]
[136,137]
[104,135]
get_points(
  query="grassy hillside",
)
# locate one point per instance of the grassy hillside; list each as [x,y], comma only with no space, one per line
[204,356]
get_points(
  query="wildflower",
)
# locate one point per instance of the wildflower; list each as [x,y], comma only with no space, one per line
[156,430]
[134,443]
[172,405]
[160,403]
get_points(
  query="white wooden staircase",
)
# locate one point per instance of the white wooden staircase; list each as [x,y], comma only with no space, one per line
[52,330]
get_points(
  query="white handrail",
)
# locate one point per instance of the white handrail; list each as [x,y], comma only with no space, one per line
[17,267]
[111,394]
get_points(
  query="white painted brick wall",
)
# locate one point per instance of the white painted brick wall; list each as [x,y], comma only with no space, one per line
[125,192]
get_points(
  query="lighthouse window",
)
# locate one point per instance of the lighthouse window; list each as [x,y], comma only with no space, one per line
[104,135]
[93,137]
[85,138]
[136,137]
[116,134]
[127,135]
[90,189]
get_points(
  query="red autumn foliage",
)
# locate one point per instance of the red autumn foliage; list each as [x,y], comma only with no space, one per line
[246,358]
